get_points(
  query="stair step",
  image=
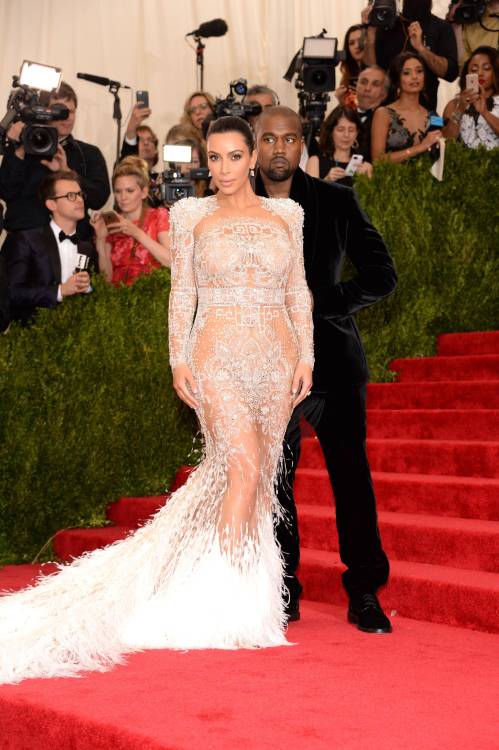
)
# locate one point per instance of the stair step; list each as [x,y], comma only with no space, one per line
[451,394]
[479,342]
[469,367]
[434,424]
[71,543]
[455,457]
[436,593]
[454,542]
[134,511]
[448,496]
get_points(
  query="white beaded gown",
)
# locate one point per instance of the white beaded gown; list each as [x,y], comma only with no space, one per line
[205,571]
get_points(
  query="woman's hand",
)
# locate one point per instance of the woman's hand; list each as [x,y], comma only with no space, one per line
[185,385]
[465,99]
[365,168]
[340,93]
[480,102]
[302,382]
[125,226]
[431,138]
[99,225]
[336,173]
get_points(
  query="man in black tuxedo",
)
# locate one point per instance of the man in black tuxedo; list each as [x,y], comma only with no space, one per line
[372,89]
[21,174]
[335,227]
[41,263]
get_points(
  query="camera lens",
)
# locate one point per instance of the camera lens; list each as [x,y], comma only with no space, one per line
[179,193]
[381,15]
[319,77]
[39,140]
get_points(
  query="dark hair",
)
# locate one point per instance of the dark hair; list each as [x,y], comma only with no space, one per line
[146,128]
[493,56]
[350,66]
[47,188]
[326,144]
[230,124]
[65,91]
[395,73]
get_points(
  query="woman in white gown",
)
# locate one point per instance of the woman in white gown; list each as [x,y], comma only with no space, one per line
[205,571]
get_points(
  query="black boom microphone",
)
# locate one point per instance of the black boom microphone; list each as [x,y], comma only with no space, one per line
[217,27]
[100,80]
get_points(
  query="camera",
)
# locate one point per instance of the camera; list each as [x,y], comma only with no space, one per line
[25,104]
[235,107]
[315,68]
[469,11]
[174,184]
[383,14]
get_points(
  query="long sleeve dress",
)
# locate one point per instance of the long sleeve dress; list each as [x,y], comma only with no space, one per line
[205,571]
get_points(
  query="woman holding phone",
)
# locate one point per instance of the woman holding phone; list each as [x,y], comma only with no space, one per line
[472,117]
[337,145]
[135,240]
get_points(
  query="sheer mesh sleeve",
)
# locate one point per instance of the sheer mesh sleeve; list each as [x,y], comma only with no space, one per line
[298,298]
[183,293]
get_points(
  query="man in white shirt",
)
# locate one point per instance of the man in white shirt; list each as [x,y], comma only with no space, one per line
[41,263]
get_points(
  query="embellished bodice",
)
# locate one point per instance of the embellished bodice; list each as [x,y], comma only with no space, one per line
[243,261]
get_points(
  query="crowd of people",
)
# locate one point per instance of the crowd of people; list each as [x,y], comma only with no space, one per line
[386,111]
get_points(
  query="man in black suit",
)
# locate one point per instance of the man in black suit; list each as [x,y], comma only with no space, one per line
[40,263]
[21,174]
[335,227]
[372,89]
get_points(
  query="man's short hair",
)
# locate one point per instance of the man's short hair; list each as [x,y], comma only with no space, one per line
[67,92]
[47,188]
[381,70]
[259,88]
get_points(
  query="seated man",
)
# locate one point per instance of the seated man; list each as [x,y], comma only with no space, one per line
[22,174]
[41,263]
[372,89]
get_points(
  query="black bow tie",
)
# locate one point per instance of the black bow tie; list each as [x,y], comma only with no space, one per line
[73,237]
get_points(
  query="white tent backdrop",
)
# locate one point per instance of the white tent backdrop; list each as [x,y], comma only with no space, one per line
[141,43]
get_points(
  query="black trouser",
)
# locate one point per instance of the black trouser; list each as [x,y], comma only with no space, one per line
[339,419]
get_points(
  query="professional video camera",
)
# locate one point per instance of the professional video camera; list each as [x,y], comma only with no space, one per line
[25,105]
[175,185]
[469,11]
[383,14]
[231,106]
[315,68]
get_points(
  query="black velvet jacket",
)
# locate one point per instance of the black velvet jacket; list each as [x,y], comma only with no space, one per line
[33,268]
[336,227]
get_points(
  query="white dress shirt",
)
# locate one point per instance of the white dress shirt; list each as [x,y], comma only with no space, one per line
[68,254]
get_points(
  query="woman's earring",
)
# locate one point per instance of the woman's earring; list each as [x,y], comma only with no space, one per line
[356,143]
[252,172]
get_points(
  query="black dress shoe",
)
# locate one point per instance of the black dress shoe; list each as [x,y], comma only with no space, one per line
[365,612]
[292,611]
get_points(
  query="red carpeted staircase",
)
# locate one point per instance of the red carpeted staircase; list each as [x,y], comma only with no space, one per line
[434,451]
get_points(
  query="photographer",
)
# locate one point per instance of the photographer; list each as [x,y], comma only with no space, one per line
[416,30]
[136,241]
[21,174]
[473,116]
[262,95]
[40,263]
[481,33]
[199,160]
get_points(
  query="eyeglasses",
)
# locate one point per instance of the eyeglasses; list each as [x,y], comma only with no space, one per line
[200,108]
[71,196]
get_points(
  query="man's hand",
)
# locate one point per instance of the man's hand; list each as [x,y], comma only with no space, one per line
[137,117]
[416,36]
[76,284]
[58,162]
[364,16]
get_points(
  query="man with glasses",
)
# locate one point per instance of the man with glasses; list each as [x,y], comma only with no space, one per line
[41,263]
[22,174]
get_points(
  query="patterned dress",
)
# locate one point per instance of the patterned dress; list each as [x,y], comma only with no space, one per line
[205,571]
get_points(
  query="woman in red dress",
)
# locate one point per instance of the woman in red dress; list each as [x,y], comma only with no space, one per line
[138,242]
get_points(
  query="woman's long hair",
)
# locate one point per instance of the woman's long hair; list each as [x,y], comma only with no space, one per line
[350,68]
[326,142]
[186,115]
[493,56]
[395,74]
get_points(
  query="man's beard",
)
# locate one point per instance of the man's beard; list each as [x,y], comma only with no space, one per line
[417,10]
[278,175]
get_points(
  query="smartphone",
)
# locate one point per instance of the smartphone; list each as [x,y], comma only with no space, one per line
[177,154]
[142,99]
[354,164]
[472,83]
[110,217]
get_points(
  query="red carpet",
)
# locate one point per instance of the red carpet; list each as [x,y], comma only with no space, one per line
[434,450]
[425,687]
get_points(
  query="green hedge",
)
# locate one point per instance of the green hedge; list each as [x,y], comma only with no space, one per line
[87,411]
[444,237]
